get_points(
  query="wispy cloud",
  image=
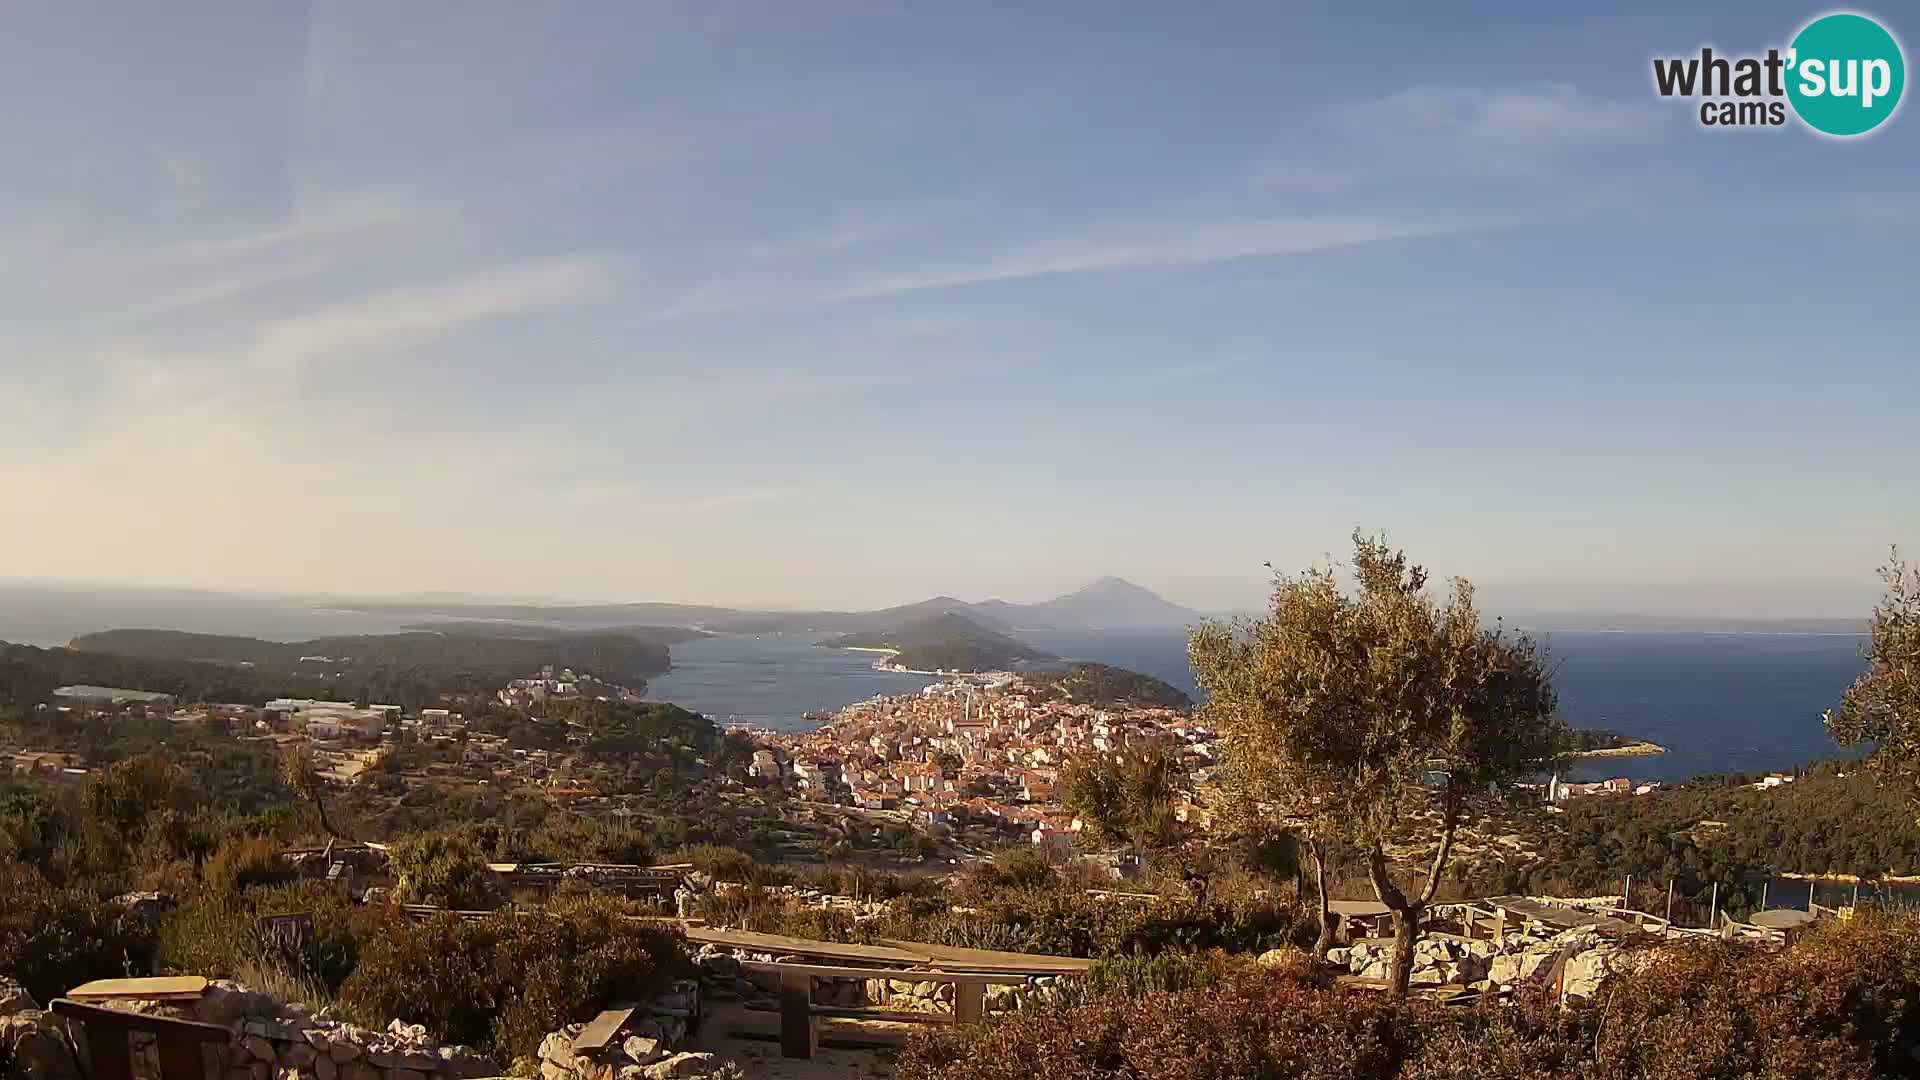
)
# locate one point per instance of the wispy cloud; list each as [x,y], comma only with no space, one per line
[405,316]
[135,279]
[347,218]
[1138,246]
[228,286]
[1555,113]
[1123,246]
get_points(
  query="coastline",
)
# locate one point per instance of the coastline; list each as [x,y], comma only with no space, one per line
[1637,748]
[1895,879]
[895,669]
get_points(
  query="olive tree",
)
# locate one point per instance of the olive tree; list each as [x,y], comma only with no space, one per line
[1882,707]
[1353,715]
[301,773]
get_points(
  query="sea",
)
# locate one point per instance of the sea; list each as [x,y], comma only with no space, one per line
[1719,702]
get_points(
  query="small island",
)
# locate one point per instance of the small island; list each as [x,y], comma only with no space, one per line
[941,644]
[1601,743]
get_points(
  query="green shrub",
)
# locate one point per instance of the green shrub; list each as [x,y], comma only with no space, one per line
[1068,922]
[576,839]
[218,934]
[445,871]
[242,861]
[504,981]
[208,934]
[53,939]
[722,863]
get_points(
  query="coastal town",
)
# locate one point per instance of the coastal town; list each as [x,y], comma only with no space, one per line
[978,752]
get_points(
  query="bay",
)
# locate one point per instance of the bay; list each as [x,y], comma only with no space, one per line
[772,680]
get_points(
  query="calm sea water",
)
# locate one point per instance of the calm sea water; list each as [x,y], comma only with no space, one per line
[770,680]
[1718,702]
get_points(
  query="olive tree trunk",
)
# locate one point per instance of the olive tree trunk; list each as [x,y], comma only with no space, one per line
[1324,941]
[1409,913]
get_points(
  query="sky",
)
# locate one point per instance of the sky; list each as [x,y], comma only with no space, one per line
[849,302]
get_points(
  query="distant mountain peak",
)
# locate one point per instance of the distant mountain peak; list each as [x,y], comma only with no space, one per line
[1110,602]
[1112,584]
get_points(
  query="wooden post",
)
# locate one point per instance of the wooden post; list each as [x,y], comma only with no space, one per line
[1713,912]
[969,1001]
[1856,892]
[1763,893]
[799,1032]
[1669,901]
[1810,886]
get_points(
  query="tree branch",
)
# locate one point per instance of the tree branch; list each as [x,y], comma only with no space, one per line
[1383,887]
[1450,824]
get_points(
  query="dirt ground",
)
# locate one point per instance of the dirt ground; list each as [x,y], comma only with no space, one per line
[722,1029]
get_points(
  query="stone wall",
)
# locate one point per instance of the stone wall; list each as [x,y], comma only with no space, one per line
[272,1040]
[1526,953]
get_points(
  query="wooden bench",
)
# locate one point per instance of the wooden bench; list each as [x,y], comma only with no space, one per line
[799,1016]
[175,988]
[179,1041]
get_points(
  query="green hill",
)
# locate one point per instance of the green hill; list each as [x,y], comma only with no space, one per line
[409,669]
[945,642]
[1103,684]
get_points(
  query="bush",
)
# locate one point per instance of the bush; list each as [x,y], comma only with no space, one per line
[208,934]
[444,871]
[1841,1005]
[754,908]
[218,934]
[53,939]
[505,980]
[1069,922]
[723,863]
[242,861]
[1010,868]
[1136,976]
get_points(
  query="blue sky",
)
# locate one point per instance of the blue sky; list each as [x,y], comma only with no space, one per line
[853,302]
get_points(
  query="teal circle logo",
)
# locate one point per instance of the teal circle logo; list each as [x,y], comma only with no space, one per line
[1845,73]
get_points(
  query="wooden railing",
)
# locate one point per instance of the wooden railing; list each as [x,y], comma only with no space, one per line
[110,1056]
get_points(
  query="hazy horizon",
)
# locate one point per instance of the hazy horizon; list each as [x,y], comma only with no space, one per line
[1494,602]
[850,304]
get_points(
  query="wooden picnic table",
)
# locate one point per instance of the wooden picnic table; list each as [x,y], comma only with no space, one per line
[800,1017]
[954,958]
[1553,915]
[792,946]
[1781,919]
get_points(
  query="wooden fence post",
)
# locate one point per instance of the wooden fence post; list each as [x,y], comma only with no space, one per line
[799,1033]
